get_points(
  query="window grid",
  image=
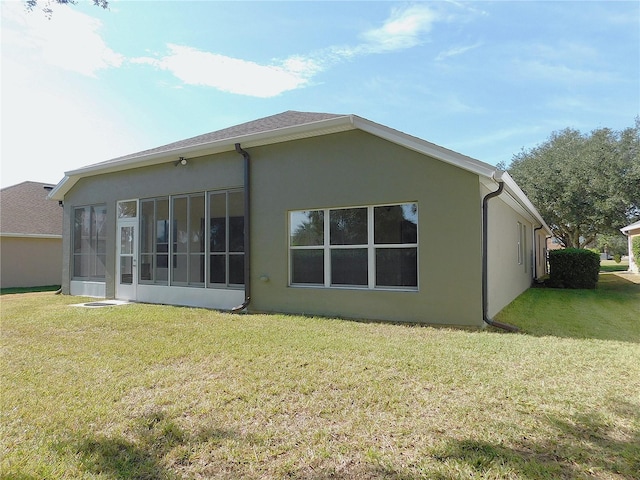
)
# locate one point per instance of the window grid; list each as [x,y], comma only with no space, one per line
[89,242]
[190,258]
[327,248]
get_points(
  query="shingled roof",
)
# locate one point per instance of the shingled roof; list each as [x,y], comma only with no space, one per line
[284,127]
[26,211]
[286,119]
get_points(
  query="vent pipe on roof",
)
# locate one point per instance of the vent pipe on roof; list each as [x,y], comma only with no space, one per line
[485,253]
[247,229]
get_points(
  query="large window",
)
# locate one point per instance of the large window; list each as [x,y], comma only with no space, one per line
[177,249]
[368,247]
[89,242]
[154,241]
[226,238]
[188,240]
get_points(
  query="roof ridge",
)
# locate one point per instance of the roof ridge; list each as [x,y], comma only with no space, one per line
[284,119]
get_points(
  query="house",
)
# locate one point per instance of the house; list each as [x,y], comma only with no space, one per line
[30,236]
[632,231]
[310,213]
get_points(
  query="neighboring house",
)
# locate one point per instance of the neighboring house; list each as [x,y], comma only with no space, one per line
[553,243]
[308,213]
[632,231]
[30,236]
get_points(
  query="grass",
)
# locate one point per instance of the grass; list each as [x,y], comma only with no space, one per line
[12,290]
[613,266]
[609,312]
[158,392]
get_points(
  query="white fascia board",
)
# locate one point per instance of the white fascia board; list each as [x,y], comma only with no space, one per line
[424,147]
[628,228]
[321,127]
[519,197]
[30,235]
[56,194]
[489,175]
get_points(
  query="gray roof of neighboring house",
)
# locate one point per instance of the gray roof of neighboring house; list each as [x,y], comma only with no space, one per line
[286,119]
[25,210]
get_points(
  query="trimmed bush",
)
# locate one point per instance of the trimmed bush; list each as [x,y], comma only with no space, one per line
[573,268]
[635,249]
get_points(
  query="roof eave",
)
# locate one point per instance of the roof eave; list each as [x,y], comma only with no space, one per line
[488,173]
[634,226]
[311,129]
[422,146]
[521,198]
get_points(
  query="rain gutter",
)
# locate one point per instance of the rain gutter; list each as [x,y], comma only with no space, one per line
[247,229]
[497,177]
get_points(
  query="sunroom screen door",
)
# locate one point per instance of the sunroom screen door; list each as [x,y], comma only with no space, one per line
[127,258]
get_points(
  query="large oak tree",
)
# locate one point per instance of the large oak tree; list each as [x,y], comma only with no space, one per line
[583,184]
[47,4]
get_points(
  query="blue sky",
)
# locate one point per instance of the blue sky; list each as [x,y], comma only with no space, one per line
[483,78]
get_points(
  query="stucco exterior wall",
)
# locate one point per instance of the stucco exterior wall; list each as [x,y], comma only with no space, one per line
[30,262]
[507,278]
[341,170]
[356,169]
[203,173]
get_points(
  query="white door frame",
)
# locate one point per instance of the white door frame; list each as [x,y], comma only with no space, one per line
[127,258]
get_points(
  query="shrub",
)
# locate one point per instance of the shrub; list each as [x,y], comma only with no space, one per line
[573,268]
[635,249]
[617,258]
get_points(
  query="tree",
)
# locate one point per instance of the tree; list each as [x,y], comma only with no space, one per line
[31,4]
[613,244]
[583,185]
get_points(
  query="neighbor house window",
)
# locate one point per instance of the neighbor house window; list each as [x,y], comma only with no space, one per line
[193,240]
[89,242]
[367,247]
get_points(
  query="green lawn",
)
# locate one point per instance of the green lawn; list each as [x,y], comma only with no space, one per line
[12,290]
[157,392]
[613,266]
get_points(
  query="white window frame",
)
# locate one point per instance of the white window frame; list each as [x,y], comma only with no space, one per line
[370,246]
[93,256]
[170,282]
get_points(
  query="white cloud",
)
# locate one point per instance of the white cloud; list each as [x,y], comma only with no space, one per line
[51,121]
[452,52]
[234,75]
[561,73]
[70,40]
[403,29]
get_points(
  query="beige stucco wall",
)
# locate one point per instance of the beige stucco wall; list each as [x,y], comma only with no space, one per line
[506,277]
[353,169]
[30,261]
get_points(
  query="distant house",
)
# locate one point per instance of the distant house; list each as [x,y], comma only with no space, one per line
[300,212]
[30,236]
[632,231]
